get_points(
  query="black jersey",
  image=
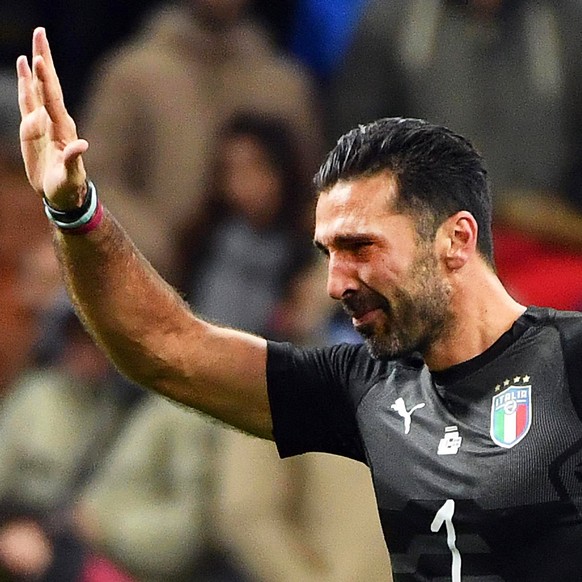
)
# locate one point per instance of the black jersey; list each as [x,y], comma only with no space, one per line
[477,470]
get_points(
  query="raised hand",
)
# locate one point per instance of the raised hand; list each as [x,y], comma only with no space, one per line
[50,146]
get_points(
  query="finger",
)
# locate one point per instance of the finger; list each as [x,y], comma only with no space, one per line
[27,100]
[49,91]
[73,161]
[45,69]
[41,47]
[37,51]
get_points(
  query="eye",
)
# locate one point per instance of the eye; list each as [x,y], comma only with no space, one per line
[358,246]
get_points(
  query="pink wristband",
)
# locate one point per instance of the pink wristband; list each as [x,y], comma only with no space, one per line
[88,226]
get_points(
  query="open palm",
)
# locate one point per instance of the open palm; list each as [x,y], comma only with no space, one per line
[50,146]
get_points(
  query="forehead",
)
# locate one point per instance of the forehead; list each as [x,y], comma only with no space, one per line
[355,206]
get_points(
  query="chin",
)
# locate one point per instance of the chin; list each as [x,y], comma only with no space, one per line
[383,343]
[381,348]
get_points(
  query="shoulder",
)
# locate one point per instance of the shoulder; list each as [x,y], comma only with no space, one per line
[568,323]
[338,353]
[341,364]
[567,326]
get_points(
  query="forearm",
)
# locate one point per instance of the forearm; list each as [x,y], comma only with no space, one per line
[148,229]
[124,303]
[153,337]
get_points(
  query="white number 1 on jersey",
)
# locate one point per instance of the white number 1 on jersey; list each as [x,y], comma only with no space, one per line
[445,515]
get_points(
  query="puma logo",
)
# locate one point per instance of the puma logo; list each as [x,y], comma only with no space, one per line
[400,408]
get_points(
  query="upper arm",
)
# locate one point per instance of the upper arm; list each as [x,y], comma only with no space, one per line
[221,372]
[313,400]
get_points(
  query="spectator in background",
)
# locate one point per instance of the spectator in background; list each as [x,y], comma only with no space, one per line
[55,424]
[504,73]
[89,30]
[157,102]
[149,507]
[84,29]
[243,249]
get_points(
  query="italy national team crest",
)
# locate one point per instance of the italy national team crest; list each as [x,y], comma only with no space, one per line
[511,415]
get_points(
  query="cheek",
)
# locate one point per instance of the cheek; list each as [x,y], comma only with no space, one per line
[400,271]
[393,266]
[382,274]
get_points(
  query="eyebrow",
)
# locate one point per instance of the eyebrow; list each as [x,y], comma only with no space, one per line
[344,240]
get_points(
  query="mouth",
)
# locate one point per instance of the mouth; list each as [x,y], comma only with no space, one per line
[366,318]
[365,310]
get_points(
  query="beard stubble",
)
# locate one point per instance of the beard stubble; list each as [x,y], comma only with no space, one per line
[415,316]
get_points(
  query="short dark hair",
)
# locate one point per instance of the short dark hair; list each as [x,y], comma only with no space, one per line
[438,172]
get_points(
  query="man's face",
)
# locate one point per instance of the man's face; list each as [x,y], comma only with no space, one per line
[388,280]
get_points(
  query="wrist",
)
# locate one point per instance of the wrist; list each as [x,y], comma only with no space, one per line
[78,220]
[69,201]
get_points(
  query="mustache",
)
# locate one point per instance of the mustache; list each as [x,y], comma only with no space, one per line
[356,304]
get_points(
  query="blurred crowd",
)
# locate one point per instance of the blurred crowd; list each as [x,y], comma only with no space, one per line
[206,120]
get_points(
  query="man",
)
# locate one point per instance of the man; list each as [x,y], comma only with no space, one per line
[481,481]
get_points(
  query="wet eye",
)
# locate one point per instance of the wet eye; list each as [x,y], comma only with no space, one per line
[358,246]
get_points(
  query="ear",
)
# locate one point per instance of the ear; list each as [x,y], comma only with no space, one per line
[457,237]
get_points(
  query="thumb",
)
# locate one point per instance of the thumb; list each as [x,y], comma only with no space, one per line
[72,152]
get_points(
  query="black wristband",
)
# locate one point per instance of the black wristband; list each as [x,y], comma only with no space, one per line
[68,216]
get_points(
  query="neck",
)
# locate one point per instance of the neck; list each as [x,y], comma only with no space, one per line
[482,311]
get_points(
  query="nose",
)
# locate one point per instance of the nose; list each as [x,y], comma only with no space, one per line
[341,276]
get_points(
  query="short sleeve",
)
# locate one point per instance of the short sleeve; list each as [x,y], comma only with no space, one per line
[311,404]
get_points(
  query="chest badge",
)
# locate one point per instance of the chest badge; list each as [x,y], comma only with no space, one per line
[511,412]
